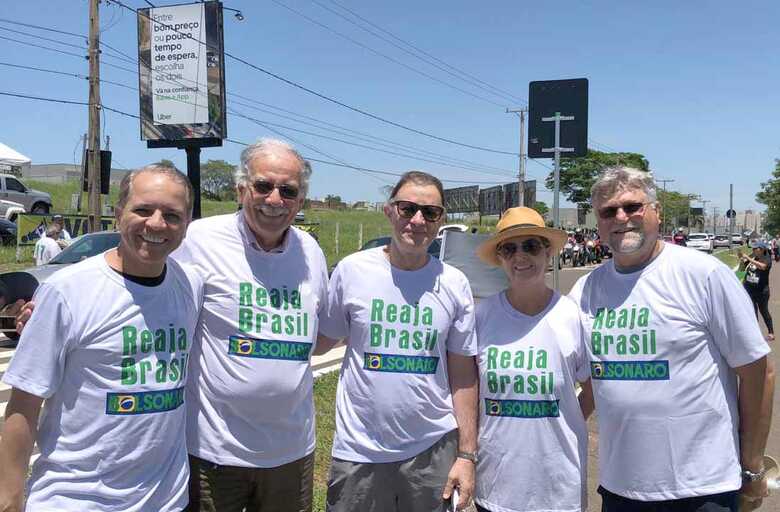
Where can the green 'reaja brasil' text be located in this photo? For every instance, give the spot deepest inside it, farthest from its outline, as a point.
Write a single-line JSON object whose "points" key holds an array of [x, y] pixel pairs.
{"points": [[637, 340], [418, 334], [160, 341], [276, 311], [534, 378]]}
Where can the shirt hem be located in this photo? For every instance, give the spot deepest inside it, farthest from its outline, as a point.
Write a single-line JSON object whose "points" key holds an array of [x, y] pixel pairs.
{"points": [[360, 458], [497, 508], [265, 464], [677, 494]]}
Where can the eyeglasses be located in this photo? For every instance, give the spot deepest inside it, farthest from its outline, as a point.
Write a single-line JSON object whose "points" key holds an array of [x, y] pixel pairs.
{"points": [[408, 209], [532, 246], [266, 187], [633, 208]]}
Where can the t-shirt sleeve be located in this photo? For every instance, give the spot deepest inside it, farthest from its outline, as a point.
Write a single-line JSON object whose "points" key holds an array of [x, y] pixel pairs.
{"points": [[732, 321], [334, 322], [39, 362], [581, 354], [462, 336]]}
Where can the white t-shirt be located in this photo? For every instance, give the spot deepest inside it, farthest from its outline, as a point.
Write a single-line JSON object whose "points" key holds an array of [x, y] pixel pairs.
{"points": [[393, 399], [663, 341], [110, 358], [529, 410], [45, 249], [250, 400]]}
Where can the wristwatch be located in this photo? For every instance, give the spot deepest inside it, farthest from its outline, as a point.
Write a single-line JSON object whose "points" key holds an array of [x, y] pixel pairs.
{"points": [[749, 476], [472, 456]]}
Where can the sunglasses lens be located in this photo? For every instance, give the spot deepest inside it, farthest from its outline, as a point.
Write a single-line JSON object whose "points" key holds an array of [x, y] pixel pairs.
{"points": [[608, 212], [532, 246], [431, 213], [632, 208], [507, 250], [263, 187], [288, 192], [406, 209]]}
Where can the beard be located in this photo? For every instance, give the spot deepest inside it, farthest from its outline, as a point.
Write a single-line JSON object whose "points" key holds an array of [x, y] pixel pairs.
{"points": [[274, 211], [629, 242]]}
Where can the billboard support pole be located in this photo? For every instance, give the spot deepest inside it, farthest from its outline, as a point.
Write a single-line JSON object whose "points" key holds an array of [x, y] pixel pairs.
{"points": [[193, 173], [557, 150]]}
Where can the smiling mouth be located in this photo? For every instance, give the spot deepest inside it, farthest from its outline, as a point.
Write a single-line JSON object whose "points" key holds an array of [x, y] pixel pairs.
{"points": [[153, 239]]}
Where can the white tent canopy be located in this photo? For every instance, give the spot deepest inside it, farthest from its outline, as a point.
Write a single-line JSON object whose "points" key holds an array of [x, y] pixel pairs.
{"points": [[12, 157]]}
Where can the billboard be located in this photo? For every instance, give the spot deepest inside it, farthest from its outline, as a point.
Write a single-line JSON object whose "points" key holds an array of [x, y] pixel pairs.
{"points": [[462, 199], [181, 72], [510, 194], [491, 200], [30, 227]]}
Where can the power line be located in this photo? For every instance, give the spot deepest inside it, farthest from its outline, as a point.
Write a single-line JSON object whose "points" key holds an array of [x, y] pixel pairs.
{"points": [[73, 75], [473, 81], [387, 57], [338, 102], [423, 52]]}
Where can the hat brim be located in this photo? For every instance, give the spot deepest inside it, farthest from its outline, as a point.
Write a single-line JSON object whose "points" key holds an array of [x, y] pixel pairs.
{"points": [[487, 250]]}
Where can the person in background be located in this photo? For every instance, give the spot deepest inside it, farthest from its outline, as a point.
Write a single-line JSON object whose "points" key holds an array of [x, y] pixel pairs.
{"points": [[530, 357], [59, 221], [757, 266], [47, 246]]}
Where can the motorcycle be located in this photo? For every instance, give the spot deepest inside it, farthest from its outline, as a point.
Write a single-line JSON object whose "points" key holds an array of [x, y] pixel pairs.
{"points": [[566, 253], [578, 255]]}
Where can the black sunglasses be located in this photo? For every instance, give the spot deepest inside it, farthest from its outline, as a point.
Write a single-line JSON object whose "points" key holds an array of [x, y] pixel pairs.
{"points": [[266, 187], [532, 246], [408, 209], [632, 208]]}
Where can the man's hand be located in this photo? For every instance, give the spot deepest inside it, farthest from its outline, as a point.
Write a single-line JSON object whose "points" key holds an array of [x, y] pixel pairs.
{"points": [[24, 314], [752, 495], [461, 476]]}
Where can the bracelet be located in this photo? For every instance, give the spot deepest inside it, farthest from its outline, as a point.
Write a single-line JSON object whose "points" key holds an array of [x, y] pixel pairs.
{"points": [[470, 456], [749, 476]]}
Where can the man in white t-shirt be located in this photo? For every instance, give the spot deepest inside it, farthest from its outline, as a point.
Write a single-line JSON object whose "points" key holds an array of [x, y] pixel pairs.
{"points": [[681, 381], [106, 353], [406, 404], [47, 247], [250, 425]]}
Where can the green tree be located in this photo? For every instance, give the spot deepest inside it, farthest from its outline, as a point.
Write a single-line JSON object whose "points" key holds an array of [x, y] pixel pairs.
{"points": [[166, 163], [541, 207], [579, 174], [675, 206], [217, 181], [770, 196], [331, 197]]}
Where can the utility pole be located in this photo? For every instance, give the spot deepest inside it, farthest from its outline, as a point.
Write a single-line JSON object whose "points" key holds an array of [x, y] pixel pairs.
{"points": [[521, 170], [81, 169], [731, 209], [704, 213], [93, 139], [663, 206]]}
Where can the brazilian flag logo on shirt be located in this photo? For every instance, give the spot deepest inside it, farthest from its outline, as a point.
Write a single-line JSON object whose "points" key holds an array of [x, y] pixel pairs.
{"points": [[493, 407], [244, 347], [126, 404], [373, 361], [597, 369]]}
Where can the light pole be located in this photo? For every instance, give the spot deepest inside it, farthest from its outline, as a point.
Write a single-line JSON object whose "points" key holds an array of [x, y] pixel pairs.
{"points": [[663, 205]]}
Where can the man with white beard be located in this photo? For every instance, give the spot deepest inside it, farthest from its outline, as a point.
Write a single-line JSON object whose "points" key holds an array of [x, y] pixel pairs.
{"points": [[250, 423], [670, 334]]}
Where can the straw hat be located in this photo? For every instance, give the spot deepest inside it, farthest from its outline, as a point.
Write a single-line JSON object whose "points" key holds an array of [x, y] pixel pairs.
{"points": [[519, 221]]}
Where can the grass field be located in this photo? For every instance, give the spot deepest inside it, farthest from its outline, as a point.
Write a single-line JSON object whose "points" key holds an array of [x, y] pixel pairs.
{"points": [[324, 403]]}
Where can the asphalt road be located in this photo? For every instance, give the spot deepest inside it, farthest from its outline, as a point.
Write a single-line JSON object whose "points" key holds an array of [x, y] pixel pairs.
{"points": [[568, 277]]}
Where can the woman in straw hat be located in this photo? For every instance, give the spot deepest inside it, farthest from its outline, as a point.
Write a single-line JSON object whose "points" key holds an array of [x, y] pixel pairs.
{"points": [[532, 433]]}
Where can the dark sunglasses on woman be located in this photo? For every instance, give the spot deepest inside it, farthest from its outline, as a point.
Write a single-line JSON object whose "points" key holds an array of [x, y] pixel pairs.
{"points": [[532, 246], [408, 209]]}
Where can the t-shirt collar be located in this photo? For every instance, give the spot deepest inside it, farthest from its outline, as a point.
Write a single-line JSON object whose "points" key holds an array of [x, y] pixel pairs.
{"points": [[249, 237]]}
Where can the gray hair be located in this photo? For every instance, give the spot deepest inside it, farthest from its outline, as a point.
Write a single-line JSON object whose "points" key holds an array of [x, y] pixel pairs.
{"points": [[618, 178], [266, 147], [171, 172], [53, 230]]}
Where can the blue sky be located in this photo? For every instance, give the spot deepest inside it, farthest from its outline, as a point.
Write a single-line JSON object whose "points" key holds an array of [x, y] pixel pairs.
{"points": [[691, 85]]}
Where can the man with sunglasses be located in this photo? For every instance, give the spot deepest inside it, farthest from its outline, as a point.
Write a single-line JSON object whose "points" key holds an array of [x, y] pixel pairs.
{"points": [[406, 404], [250, 425], [670, 332]]}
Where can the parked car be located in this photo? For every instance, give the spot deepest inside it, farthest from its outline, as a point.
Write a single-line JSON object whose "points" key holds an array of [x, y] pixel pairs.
{"points": [[736, 238], [10, 210], [7, 232], [700, 241], [721, 241], [33, 201], [22, 284]]}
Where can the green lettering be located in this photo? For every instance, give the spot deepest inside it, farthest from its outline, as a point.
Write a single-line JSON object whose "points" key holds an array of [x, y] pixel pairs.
{"points": [[244, 319], [129, 375], [244, 294], [129, 334], [377, 306], [492, 353]]}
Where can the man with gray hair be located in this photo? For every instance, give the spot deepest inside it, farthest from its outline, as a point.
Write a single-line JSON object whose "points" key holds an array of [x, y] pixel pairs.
{"points": [[250, 425], [670, 333], [47, 247]]}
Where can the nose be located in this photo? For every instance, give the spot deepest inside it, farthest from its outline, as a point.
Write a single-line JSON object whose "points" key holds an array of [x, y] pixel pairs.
{"points": [[621, 215], [418, 218], [156, 220], [274, 198]]}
